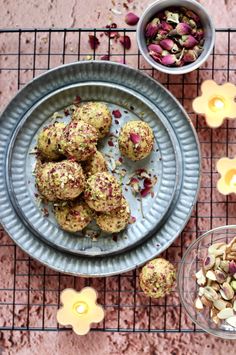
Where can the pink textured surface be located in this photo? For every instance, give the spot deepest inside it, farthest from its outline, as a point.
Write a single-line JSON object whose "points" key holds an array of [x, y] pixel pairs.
{"points": [[76, 14]]}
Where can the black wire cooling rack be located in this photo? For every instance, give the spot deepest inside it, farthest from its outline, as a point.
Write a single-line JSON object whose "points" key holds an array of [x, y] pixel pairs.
{"points": [[29, 292]]}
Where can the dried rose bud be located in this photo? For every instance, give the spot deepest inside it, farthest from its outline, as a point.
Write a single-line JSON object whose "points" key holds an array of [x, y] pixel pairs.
{"points": [[125, 41], [192, 15], [166, 26], [155, 56], [172, 17], [112, 34], [131, 19], [188, 41], [135, 138], [192, 23], [169, 45], [183, 29], [151, 30], [93, 41], [199, 34], [190, 56], [169, 59], [156, 48]]}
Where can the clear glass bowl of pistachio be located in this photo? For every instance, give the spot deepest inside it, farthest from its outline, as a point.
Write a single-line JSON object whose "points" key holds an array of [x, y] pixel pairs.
{"points": [[207, 281]]}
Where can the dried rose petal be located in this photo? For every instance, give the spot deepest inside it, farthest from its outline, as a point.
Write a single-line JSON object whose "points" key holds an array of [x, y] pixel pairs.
{"points": [[116, 113], [146, 191], [105, 57], [134, 183], [66, 112], [125, 41], [135, 138], [157, 57], [112, 34], [156, 48], [110, 143], [147, 183], [77, 100], [188, 41], [131, 19], [132, 220], [93, 41]]}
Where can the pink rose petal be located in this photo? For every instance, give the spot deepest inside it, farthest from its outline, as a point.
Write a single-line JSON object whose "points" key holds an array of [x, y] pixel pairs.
{"points": [[93, 41], [147, 183], [125, 41], [116, 113], [135, 138], [146, 191], [110, 143]]}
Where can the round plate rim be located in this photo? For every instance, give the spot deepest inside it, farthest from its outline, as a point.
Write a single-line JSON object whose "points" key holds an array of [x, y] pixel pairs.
{"points": [[184, 113]]}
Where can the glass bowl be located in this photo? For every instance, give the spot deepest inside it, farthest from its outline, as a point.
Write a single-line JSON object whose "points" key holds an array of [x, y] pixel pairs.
{"points": [[188, 287]]}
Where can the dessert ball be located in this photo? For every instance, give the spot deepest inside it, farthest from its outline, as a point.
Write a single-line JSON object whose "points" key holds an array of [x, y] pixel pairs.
{"points": [[61, 180], [73, 217], [157, 278], [96, 164], [136, 140], [48, 141], [103, 192], [115, 220], [79, 140], [95, 113], [42, 172]]}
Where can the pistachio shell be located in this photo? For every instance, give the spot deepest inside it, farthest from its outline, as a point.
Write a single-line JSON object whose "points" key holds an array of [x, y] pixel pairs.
{"points": [[225, 313], [210, 293], [198, 304], [209, 262], [220, 276], [201, 279], [217, 249], [217, 262], [201, 291], [211, 275], [226, 292], [215, 286], [219, 304], [231, 321], [234, 306], [206, 302], [224, 265]]}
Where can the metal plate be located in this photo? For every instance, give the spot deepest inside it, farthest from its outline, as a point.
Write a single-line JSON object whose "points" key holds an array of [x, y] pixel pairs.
{"points": [[189, 155], [162, 162]]}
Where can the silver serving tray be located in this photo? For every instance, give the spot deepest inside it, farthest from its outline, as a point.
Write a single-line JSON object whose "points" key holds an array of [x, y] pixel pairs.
{"points": [[23, 228]]}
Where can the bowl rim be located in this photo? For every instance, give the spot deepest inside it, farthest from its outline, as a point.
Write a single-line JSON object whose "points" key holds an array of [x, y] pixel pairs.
{"points": [[186, 68], [179, 280]]}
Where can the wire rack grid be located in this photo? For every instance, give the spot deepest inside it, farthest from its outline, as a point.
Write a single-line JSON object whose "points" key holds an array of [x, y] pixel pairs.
{"points": [[29, 292]]}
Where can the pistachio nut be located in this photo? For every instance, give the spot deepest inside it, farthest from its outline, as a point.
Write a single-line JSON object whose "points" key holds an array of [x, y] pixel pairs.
{"points": [[225, 313]]}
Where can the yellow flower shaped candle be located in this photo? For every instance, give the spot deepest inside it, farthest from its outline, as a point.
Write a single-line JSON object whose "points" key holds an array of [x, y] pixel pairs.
{"points": [[80, 309], [216, 103], [227, 169]]}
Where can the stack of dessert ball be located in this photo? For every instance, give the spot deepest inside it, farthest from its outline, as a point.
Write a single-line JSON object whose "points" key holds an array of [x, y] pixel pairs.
{"points": [[73, 174]]}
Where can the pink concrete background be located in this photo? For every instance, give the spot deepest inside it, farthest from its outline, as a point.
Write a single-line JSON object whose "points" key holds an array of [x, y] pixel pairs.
{"points": [[95, 13]]}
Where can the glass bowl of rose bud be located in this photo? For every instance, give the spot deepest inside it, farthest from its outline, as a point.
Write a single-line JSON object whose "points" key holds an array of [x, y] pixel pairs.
{"points": [[207, 281], [175, 36]]}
